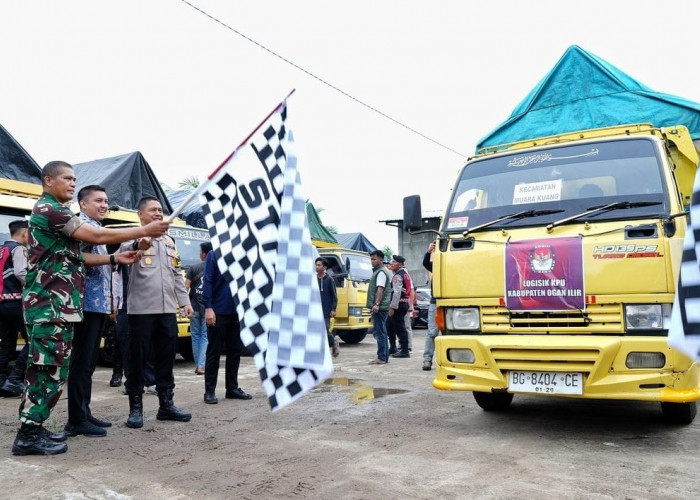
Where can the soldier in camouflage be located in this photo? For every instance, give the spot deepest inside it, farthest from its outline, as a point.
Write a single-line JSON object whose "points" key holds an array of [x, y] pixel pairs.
{"points": [[52, 299]]}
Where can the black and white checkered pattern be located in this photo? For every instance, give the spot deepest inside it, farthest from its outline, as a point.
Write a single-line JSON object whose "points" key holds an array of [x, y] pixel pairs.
{"points": [[684, 333], [298, 345], [251, 210]]}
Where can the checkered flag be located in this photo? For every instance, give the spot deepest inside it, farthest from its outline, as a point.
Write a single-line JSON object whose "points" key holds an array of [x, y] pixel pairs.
{"points": [[250, 205], [684, 333], [298, 357]]}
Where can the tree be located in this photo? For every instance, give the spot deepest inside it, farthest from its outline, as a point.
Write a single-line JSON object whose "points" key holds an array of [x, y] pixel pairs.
{"points": [[388, 253], [189, 182]]}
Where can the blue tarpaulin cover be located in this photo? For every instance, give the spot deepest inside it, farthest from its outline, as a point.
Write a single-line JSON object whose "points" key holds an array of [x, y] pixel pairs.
{"points": [[355, 241], [583, 91]]}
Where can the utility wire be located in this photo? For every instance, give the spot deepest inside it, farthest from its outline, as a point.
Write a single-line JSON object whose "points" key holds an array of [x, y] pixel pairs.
{"points": [[328, 84]]}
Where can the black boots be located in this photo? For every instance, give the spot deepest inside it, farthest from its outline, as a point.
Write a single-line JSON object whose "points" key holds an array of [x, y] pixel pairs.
{"points": [[34, 440], [168, 410], [135, 420]]}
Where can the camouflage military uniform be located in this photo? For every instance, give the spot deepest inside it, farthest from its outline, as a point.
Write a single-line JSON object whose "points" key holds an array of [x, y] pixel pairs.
{"points": [[52, 303]]}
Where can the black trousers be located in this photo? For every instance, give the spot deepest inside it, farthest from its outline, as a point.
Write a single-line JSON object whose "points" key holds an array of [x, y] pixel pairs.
{"points": [[156, 333], [11, 325], [397, 328], [121, 351], [224, 337], [83, 360]]}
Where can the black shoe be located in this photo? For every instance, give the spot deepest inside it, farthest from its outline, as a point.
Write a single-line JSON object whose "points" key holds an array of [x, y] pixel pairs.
{"points": [[392, 350], [401, 355], [11, 388], [99, 422], [210, 398], [237, 393], [31, 440], [57, 437], [116, 380], [84, 428]]}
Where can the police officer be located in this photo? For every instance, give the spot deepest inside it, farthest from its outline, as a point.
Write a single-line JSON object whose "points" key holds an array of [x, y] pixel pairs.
{"points": [[156, 287]]}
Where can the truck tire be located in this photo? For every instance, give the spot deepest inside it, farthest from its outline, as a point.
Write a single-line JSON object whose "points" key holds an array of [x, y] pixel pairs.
{"points": [[352, 336], [184, 348], [679, 413], [493, 401]]}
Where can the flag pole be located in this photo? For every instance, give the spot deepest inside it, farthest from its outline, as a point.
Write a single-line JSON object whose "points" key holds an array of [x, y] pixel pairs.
{"points": [[201, 187]]}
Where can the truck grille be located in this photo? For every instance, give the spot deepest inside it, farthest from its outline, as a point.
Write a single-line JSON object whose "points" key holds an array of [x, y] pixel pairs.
{"points": [[542, 359], [596, 319]]}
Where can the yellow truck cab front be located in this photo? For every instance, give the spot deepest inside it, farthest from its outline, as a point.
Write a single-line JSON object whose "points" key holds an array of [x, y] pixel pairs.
{"points": [[351, 271], [556, 268]]}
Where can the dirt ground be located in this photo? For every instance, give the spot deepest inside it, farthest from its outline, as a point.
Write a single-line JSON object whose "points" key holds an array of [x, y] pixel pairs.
{"points": [[371, 432]]}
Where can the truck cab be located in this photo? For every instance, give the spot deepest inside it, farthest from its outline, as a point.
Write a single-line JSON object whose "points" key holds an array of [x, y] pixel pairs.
{"points": [[351, 271], [556, 268]]}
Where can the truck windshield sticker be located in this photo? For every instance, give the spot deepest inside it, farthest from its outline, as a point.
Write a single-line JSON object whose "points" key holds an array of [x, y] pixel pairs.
{"points": [[544, 275], [457, 222], [521, 161], [537, 192]]}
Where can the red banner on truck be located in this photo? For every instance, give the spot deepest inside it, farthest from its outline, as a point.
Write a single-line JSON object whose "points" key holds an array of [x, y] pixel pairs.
{"points": [[544, 275]]}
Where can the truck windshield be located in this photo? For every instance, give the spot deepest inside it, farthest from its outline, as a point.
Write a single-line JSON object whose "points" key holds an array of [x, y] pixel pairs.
{"points": [[187, 240], [360, 267], [567, 178]]}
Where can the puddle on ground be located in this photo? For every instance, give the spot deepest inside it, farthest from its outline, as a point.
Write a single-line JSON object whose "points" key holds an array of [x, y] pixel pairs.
{"points": [[360, 392]]}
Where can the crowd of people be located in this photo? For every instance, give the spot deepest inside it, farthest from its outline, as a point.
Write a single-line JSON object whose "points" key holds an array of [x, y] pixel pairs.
{"points": [[390, 298], [61, 286]]}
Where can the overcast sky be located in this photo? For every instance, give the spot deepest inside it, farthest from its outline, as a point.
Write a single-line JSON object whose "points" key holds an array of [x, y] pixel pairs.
{"points": [[83, 80]]}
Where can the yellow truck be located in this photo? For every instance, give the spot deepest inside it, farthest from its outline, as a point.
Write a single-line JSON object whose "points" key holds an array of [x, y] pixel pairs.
{"points": [[556, 268], [351, 271]]}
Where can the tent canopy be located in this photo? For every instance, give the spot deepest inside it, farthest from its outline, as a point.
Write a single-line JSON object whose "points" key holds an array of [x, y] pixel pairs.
{"points": [[583, 91], [15, 162], [355, 241], [127, 179]]}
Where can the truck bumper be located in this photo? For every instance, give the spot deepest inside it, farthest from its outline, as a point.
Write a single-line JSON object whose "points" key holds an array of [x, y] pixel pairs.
{"points": [[600, 359]]}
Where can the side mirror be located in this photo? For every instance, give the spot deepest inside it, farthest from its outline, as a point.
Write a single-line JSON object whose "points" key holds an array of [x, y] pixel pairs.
{"points": [[347, 265], [412, 217]]}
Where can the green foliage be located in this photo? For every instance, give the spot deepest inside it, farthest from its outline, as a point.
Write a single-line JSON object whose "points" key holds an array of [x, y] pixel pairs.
{"points": [[189, 182], [388, 252]]}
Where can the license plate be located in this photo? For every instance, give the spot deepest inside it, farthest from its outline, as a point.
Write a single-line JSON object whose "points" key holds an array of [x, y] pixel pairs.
{"points": [[545, 382]]}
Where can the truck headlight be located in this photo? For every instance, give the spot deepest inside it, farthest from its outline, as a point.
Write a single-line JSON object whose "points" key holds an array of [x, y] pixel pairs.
{"points": [[354, 311], [460, 355], [645, 360], [647, 316], [462, 318]]}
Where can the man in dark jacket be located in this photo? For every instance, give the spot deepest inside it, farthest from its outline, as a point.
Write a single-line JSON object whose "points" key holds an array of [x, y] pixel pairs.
{"points": [[11, 319], [329, 300], [223, 331]]}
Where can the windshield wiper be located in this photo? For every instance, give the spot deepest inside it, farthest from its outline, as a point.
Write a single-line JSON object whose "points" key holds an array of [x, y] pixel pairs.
{"points": [[519, 215], [620, 205]]}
